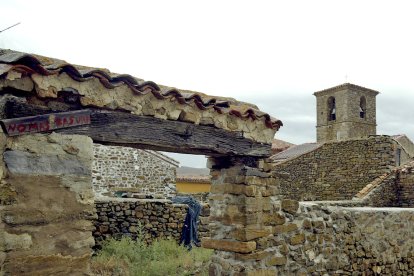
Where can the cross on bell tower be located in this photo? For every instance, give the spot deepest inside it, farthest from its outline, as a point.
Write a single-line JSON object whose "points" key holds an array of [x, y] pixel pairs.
{"points": [[344, 112]]}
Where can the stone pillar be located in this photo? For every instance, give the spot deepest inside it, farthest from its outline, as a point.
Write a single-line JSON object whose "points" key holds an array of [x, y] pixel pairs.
{"points": [[46, 205], [241, 197]]}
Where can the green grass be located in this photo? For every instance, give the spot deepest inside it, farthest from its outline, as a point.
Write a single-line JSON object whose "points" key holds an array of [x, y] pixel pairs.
{"points": [[162, 257]]}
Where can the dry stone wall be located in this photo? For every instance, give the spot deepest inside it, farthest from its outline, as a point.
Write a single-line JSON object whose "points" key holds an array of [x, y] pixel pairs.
{"points": [[382, 192], [393, 189], [143, 171], [336, 170], [151, 218], [46, 205], [309, 239], [406, 186], [255, 232]]}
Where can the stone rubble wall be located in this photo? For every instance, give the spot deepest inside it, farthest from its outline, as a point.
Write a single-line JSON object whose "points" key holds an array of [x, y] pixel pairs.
{"points": [[144, 171], [393, 189], [309, 239], [46, 205], [119, 217], [336, 170], [406, 186], [255, 232], [382, 192]]}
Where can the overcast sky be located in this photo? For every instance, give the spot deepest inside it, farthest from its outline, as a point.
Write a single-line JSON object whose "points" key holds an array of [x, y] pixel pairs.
{"points": [[274, 54]]}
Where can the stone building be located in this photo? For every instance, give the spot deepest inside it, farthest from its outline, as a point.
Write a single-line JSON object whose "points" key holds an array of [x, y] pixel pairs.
{"points": [[52, 112], [344, 112], [146, 172], [347, 156], [48, 210]]}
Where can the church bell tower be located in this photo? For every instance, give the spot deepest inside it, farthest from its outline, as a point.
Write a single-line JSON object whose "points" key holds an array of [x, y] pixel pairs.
{"points": [[344, 112]]}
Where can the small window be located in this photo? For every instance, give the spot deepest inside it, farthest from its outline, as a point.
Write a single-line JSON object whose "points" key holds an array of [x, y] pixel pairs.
{"points": [[331, 109], [362, 107]]}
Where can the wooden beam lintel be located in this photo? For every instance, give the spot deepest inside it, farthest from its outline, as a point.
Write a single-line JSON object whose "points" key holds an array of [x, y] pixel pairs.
{"points": [[126, 129]]}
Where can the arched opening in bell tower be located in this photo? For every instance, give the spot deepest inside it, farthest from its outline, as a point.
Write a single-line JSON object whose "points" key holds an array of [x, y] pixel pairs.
{"points": [[362, 107], [331, 109]]}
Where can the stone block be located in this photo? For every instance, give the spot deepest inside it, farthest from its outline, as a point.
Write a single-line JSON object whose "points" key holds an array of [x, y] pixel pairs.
{"points": [[262, 272], [24, 163], [257, 256], [274, 219], [53, 264], [250, 233], [297, 239], [226, 245], [280, 229], [318, 224], [237, 189], [276, 261], [290, 206], [8, 194], [269, 191], [256, 204], [260, 181], [15, 241], [307, 224]]}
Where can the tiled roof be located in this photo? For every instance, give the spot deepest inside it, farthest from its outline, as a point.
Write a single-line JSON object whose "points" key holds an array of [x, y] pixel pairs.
{"points": [[193, 178], [294, 151], [398, 136], [406, 168], [280, 145], [28, 64], [348, 86]]}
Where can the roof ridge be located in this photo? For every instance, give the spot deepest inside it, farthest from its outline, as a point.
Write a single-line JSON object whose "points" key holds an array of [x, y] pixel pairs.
{"points": [[30, 63], [347, 84]]}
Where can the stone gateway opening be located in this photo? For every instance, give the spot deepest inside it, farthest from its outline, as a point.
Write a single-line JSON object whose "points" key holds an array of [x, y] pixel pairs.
{"points": [[121, 111], [341, 206]]}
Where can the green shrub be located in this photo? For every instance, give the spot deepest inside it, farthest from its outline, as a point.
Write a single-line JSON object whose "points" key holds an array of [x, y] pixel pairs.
{"points": [[162, 257]]}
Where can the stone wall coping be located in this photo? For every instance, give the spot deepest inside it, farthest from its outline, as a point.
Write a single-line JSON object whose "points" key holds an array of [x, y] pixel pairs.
{"points": [[339, 203], [122, 199], [356, 209], [379, 209]]}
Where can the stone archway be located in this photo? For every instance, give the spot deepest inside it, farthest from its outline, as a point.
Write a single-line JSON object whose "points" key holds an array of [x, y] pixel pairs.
{"points": [[127, 111]]}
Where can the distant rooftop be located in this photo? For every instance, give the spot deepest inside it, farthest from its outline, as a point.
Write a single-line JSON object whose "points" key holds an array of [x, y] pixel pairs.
{"points": [[294, 151], [280, 145], [194, 178]]}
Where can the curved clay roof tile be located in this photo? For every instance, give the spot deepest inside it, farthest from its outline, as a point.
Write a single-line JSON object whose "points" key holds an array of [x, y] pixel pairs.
{"points": [[30, 64]]}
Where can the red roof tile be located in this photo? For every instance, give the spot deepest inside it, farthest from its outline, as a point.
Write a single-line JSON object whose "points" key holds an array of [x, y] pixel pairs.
{"points": [[28, 64]]}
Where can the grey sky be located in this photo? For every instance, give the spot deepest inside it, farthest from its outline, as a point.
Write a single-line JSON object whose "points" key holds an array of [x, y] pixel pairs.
{"points": [[274, 54]]}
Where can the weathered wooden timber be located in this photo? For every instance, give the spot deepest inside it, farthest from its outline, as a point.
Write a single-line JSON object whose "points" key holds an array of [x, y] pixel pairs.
{"points": [[46, 122], [126, 129]]}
